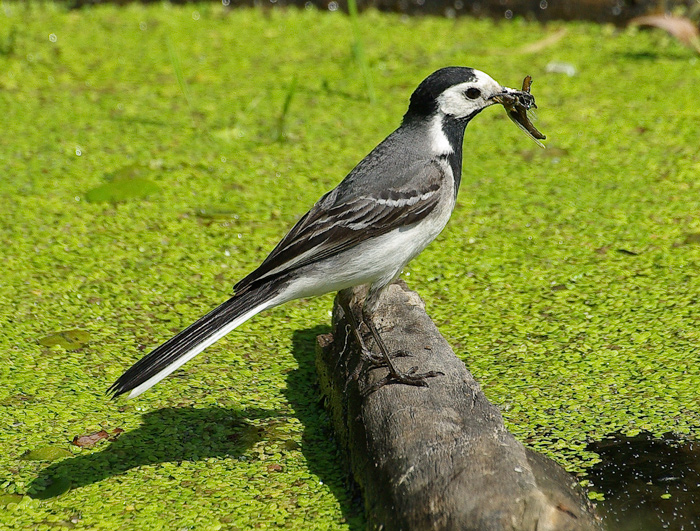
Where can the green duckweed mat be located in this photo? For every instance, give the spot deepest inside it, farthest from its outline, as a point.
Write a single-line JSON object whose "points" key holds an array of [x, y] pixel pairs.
{"points": [[152, 156]]}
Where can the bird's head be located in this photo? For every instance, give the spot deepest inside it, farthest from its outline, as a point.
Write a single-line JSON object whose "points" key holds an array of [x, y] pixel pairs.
{"points": [[459, 94]]}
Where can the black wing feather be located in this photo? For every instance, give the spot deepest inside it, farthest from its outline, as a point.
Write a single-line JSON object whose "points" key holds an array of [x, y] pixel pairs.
{"points": [[333, 226]]}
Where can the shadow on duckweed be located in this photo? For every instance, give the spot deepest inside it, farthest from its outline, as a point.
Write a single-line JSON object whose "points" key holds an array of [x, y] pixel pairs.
{"points": [[167, 435], [191, 434], [649, 483], [323, 454]]}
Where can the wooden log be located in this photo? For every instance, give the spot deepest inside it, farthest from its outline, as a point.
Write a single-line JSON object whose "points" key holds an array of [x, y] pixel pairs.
{"points": [[436, 457]]}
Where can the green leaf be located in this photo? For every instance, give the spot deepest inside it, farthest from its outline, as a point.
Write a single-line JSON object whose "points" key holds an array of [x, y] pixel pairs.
{"points": [[6, 499], [47, 453], [124, 184], [68, 339], [122, 190]]}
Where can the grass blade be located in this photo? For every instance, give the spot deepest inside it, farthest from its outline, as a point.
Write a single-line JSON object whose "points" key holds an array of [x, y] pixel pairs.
{"points": [[282, 119], [181, 81], [358, 50]]}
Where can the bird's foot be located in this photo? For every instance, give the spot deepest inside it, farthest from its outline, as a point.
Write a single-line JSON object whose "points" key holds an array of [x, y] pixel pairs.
{"points": [[410, 377], [367, 357], [378, 361], [369, 360]]}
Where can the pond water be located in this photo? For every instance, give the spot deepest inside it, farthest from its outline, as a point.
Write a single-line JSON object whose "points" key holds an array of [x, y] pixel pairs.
{"points": [[649, 483], [617, 12]]}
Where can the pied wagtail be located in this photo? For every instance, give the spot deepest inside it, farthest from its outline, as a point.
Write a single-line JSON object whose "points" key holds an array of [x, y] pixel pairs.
{"points": [[385, 212]]}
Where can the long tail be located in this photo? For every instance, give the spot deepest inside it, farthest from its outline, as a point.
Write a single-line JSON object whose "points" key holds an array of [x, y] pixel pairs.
{"points": [[185, 345]]}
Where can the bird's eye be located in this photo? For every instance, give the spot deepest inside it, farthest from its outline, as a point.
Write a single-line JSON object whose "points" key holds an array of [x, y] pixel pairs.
{"points": [[472, 93]]}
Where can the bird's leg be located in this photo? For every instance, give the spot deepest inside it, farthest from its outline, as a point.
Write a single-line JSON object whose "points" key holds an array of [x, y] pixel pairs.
{"points": [[366, 353], [395, 375]]}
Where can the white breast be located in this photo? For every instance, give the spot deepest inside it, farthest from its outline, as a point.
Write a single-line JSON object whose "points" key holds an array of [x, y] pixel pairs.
{"points": [[376, 261]]}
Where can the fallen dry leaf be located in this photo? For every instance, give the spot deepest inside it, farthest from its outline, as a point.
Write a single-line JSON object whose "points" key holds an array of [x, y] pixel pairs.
{"points": [[86, 441], [681, 28]]}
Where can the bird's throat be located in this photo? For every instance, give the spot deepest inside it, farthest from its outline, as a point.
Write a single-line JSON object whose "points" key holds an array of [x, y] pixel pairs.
{"points": [[453, 130]]}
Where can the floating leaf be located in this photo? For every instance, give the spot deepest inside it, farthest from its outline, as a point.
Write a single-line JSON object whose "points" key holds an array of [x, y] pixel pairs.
{"points": [[68, 339], [229, 135], [681, 28], [215, 215], [55, 487], [86, 441], [6, 499], [692, 238], [118, 191], [124, 184], [47, 453]]}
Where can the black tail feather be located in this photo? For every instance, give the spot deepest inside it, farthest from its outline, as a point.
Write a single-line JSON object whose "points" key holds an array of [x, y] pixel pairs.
{"points": [[185, 341]]}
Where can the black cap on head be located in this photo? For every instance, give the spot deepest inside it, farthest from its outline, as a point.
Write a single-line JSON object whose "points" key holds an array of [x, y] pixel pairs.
{"points": [[423, 99]]}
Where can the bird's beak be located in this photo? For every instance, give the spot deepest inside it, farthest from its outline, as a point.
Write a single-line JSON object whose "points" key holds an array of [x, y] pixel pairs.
{"points": [[517, 104]]}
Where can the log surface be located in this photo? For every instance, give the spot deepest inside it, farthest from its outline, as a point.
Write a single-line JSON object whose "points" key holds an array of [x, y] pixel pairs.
{"points": [[436, 457]]}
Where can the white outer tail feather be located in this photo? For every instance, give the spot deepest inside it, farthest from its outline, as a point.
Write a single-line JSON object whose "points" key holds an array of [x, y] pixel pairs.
{"points": [[136, 391]]}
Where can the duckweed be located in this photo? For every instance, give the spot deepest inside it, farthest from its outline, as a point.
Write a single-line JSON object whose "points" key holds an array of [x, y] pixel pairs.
{"points": [[572, 337]]}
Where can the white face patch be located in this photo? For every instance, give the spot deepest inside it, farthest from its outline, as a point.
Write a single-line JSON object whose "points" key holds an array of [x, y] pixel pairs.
{"points": [[467, 98]]}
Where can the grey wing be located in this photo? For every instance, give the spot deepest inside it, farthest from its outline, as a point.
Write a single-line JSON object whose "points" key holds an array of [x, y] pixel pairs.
{"points": [[336, 224]]}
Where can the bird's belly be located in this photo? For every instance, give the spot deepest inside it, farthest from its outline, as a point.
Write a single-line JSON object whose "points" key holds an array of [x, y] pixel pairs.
{"points": [[377, 260]]}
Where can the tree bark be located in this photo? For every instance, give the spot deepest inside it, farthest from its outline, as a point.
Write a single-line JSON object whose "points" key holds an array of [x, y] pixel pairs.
{"points": [[436, 457]]}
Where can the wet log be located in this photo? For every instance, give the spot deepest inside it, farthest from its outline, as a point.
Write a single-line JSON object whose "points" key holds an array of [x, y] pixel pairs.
{"points": [[436, 457]]}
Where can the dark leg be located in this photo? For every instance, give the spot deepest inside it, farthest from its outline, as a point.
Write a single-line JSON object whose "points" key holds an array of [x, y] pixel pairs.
{"points": [[366, 353], [395, 375]]}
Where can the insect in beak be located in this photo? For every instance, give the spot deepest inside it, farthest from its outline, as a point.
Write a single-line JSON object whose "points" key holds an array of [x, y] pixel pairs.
{"points": [[519, 105]]}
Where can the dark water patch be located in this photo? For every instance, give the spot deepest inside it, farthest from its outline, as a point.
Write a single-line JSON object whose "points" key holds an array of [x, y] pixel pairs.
{"points": [[618, 12], [648, 483]]}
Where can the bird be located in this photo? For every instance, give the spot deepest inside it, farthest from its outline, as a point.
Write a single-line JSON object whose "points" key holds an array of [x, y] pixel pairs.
{"points": [[364, 231]]}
